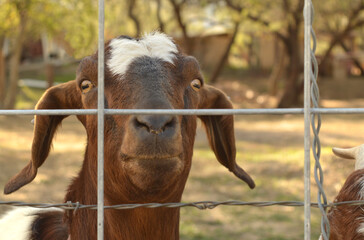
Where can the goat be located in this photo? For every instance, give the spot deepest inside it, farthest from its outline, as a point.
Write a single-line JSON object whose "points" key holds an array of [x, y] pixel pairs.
{"points": [[147, 157], [347, 221]]}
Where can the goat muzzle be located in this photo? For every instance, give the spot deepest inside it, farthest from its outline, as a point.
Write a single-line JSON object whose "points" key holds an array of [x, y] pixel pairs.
{"points": [[155, 124]]}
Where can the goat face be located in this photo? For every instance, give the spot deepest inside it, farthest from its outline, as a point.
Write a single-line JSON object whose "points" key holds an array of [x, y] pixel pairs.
{"points": [[149, 154]]}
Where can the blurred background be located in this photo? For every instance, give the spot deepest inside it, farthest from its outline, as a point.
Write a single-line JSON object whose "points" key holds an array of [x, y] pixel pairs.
{"points": [[253, 50]]}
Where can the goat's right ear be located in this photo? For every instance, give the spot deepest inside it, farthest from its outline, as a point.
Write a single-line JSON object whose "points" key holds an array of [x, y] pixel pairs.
{"points": [[63, 96], [220, 131]]}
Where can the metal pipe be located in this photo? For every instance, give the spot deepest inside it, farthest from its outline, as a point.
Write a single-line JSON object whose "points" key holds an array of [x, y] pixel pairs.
{"points": [[266, 111], [100, 125], [307, 108]]}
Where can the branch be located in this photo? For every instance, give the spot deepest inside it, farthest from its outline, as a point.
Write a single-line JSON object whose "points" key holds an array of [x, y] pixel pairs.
{"points": [[338, 37], [182, 25], [159, 17], [286, 5], [266, 24], [357, 24], [258, 19], [299, 8], [177, 11], [234, 7], [131, 6]]}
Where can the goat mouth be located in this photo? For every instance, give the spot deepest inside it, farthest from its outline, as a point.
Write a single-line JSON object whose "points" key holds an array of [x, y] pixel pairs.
{"points": [[153, 158], [148, 173], [160, 164]]}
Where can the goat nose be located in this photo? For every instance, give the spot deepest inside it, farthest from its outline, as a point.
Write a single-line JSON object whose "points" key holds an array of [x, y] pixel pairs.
{"points": [[155, 124]]}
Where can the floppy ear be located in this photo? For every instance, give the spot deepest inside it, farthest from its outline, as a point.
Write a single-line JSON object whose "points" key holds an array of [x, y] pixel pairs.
{"points": [[63, 96], [220, 131]]}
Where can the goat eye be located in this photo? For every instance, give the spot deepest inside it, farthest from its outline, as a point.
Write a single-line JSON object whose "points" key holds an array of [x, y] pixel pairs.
{"points": [[86, 86], [196, 84]]}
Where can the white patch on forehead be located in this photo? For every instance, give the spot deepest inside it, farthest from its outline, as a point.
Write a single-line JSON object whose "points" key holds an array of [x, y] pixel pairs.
{"points": [[124, 51]]}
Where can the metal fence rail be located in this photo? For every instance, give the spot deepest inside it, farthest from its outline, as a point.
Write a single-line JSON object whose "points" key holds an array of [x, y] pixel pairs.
{"points": [[311, 117], [267, 111]]}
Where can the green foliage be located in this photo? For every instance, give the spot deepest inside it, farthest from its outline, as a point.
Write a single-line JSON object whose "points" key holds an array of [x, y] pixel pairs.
{"points": [[8, 18], [80, 27], [70, 20], [74, 22], [333, 15]]}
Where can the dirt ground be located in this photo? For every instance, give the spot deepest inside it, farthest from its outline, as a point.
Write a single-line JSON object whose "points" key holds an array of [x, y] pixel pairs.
{"points": [[270, 148]]}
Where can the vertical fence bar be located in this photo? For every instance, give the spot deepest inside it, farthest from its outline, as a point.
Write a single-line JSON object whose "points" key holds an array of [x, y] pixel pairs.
{"points": [[100, 125], [316, 145], [307, 112]]}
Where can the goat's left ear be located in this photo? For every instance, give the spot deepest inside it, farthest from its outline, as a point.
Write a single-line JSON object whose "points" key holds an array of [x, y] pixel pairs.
{"points": [[63, 96], [220, 131]]}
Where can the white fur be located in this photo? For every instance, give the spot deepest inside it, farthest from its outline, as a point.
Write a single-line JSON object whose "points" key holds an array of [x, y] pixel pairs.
{"points": [[361, 191], [124, 51], [16, 224], [360, 229]]}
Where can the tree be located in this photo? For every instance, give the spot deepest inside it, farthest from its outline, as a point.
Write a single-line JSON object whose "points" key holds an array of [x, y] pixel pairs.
{"points": [[339, 20], [19, 9], [22, 20], [177, 8], [133, 16], [221, 63], [284, 20], [7, 13]]}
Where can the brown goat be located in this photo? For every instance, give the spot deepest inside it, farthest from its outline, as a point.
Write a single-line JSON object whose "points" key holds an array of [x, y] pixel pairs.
{"points": [[347, 221], [147, 157]]}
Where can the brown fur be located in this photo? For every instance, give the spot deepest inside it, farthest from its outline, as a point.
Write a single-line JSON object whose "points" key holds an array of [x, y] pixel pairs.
{"points": [[140, 167], [345, 220], [49, 225]]}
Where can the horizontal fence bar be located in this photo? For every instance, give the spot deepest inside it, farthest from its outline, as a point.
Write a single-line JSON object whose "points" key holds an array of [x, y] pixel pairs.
{"points": [[265, 111], [202, 205]]}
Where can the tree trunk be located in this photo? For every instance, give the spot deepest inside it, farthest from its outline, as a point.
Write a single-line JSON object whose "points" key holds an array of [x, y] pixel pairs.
{"points": [[339, 36], [334, 41], [293, 87], [188, 42], [225, 56], [355, 60], [49, 72], [14, 62], [159, 17], [292, 91], [131, 7], [2, 73], [277, 72]]}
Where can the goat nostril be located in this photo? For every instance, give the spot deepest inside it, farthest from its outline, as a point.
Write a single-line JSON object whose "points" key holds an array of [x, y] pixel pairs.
{"points": [[140, 124], [154, 125], [169, 124]]}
